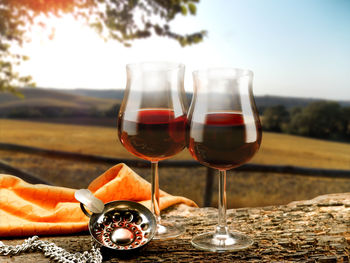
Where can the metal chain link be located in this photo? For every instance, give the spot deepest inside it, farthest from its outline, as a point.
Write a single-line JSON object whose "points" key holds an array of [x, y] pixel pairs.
{"points": [[52, 251]]}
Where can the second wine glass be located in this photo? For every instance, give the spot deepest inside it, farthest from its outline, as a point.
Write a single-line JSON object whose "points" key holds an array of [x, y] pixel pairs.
{"points": [[224, 133], [152, 122]]}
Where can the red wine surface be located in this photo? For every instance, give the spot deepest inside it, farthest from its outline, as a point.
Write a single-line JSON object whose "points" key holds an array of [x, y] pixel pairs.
{"points": [[224, 140], [155, 135]]}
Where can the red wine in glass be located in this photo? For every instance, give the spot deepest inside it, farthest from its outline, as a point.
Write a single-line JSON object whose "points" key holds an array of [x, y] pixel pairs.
{"points": [[155, 135], [224, 140]]}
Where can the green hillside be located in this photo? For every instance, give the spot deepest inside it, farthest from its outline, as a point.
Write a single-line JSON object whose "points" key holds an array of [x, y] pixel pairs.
{"points": [[104, 99], [39, 98], [261, 101]]}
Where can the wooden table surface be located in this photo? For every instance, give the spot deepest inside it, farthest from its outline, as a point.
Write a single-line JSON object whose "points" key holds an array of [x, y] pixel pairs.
{"points": [[316, 230]]}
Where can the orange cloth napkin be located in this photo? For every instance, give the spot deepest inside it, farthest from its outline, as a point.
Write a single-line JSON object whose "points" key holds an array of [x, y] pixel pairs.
{"points": [[27, 209]]}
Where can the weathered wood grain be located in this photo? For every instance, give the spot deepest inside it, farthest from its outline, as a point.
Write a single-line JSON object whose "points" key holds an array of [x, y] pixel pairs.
{"points": [[316, 230]]}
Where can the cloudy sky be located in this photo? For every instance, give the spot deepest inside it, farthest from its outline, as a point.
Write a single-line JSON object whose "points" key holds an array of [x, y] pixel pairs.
{"points": [[295, 48]]}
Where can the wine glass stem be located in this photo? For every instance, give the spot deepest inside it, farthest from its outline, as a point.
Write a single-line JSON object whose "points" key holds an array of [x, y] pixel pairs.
{"points": [[155, 191], [221, 228]]}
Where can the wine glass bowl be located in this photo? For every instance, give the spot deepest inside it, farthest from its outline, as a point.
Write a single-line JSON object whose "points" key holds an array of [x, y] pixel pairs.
{"points": [[223, 145], [152, 122], [159, 135], [224, 132]]}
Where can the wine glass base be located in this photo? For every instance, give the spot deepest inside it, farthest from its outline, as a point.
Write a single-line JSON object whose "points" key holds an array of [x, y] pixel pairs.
{"points": [[220, 243], [167, 230]]}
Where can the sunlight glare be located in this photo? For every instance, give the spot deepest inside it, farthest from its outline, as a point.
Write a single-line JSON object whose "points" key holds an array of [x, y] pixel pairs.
{"points": [[75, 57]]}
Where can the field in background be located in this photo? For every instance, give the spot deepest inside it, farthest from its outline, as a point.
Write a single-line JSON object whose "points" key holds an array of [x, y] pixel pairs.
{"points": [[276, 148], [244, 189]]}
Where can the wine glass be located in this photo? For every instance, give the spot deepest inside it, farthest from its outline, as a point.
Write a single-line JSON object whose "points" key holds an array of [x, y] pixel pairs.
{"points": [[152, 123], [224, 132]]}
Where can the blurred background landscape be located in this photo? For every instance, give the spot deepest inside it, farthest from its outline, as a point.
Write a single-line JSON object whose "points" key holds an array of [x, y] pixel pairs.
{"points": [[299, 52], [84, 121]]}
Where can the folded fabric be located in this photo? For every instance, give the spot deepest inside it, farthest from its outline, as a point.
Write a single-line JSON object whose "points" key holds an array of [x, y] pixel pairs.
{"points": [[27, 209]]}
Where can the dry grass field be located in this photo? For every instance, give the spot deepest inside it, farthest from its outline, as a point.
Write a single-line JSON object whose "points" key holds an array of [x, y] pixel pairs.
{"points": [[244, 189], [276, 148]]}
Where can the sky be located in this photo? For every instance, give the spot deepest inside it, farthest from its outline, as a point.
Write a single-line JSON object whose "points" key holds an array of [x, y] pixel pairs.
{"points": [[298, 48]]}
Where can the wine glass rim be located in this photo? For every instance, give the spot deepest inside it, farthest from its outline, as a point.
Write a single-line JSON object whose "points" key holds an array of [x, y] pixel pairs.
{"points": [[155, 66], [239, 72]]}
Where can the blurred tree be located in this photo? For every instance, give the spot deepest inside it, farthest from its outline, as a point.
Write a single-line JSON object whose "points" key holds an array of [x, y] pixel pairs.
{"points": [[275, 117], [299, 124], [319, 119], [346, 121], [295, 110], [122, 20]]}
